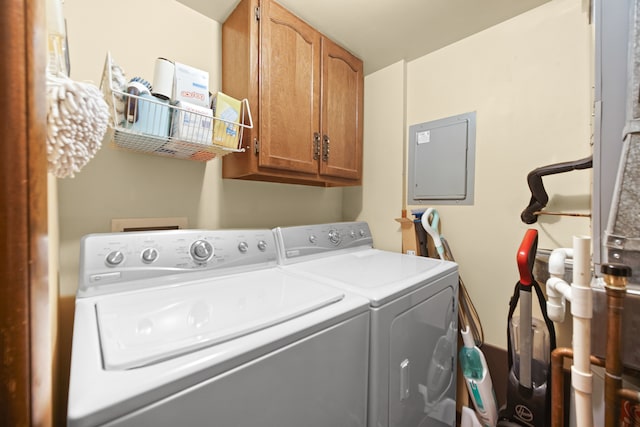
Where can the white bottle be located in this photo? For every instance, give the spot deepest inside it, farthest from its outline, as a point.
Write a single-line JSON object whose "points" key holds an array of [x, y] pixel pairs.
{"points": [[478, 380], [468, 418]]}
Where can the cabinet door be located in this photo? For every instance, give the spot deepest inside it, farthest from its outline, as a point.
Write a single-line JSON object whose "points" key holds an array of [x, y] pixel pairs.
{"points": [[342, 109], [289, 90]]}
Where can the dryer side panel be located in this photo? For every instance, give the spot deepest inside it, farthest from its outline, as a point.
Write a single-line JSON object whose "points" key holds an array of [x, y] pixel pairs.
{"points": [[404, 336], [422, 364]]}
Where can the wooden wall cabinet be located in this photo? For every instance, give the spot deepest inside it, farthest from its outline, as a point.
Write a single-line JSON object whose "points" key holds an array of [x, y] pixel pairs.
{"points": [[306, 96]]}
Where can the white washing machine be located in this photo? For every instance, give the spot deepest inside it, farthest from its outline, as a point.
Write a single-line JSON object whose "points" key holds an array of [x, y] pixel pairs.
{"points": [[202, 328], [413, 307]]}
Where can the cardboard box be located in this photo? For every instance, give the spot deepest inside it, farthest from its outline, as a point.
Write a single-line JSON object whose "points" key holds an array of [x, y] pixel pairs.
{"points": [[192, 123], [191, 85], [409, 240], [227, 108]]}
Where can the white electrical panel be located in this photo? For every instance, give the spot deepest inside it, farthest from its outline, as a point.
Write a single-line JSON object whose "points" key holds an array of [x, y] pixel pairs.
{"points": [[442, 161]]}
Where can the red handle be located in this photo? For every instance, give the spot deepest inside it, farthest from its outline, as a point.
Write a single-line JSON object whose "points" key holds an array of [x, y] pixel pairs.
{"points": [[527, 255]]}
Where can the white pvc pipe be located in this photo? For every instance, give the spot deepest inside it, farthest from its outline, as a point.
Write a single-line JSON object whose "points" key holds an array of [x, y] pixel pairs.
{"points": [[581, 310], [557, 289], [580, 295], [557, 261]]}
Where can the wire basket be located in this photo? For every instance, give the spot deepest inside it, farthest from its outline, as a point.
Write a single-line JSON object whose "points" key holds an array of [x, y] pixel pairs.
{"points": [[147, 124]]}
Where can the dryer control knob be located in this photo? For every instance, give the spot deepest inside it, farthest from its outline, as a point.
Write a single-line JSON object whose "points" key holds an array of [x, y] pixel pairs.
{"points": [[334, 237], [362, 233], [243, 247], [313, 238], [201, 251], [352, 234], [149, 255], [262, 245], [114, 258]]}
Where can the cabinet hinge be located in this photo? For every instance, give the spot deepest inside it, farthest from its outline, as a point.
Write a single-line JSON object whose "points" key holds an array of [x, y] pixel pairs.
{"points": [[256, 146], [256, 12]]}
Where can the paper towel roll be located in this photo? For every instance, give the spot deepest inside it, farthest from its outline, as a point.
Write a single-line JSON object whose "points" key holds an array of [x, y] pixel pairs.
{"points": [[163, 78]]}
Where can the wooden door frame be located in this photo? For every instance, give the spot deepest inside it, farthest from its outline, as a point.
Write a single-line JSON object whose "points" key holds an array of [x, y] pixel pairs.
{"points": [[25, 326]]}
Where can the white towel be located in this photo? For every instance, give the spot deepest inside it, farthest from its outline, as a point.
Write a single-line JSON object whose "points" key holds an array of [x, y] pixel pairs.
{"points": [[77, 120]]}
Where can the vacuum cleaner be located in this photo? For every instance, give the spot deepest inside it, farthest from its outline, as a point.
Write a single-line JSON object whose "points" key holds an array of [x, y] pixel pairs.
{"points": [[530, 342]]}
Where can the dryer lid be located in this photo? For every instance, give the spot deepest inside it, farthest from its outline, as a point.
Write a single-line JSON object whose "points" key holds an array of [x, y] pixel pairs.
{"points": [[375, 274], [137, 329]]}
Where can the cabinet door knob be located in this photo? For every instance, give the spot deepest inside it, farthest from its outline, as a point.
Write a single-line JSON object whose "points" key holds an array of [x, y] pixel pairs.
{"points": [[325, 148]]}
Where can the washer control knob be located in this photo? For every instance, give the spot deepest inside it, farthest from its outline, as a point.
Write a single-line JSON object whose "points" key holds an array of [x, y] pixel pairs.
{"points": [[201, 251], [262, 245], [114, 258], [243, 247], [334, 237], [313, 238], [149, 255], [362, 233], [352, 234]]}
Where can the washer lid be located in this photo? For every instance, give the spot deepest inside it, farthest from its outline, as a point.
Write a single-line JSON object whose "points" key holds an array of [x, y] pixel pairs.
{"points": [[142, 328]]}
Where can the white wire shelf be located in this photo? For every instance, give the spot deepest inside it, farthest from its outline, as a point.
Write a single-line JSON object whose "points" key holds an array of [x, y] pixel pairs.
{"points": [[146, 124]]}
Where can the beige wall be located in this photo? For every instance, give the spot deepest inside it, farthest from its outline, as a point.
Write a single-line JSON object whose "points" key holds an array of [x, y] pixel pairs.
{"points": [[379, 200], [529, 81], [118, 184]]}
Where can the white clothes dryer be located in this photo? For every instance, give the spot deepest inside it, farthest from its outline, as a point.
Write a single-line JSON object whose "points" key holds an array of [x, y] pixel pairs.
{"points": [[202, 328], [413, 307]]}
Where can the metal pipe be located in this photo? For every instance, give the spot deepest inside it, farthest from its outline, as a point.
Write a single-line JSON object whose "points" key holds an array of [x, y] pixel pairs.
{"points": [[627, 394], [579, 293], [615, 277], [557, 382], [613, 366], [562, 214], [557, 385]]}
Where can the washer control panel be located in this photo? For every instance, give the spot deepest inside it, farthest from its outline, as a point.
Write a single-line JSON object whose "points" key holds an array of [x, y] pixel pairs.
{"points": [[115, 258], [299, 241]]}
